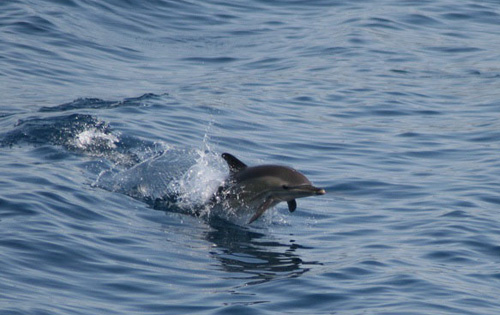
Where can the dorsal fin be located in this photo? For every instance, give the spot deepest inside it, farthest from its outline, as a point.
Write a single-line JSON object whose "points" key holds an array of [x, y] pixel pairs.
{"points": [[234, 164]]}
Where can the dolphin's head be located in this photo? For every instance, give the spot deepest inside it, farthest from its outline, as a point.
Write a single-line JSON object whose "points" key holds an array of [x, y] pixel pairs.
{"points": [[269, 184], [284, 182]]}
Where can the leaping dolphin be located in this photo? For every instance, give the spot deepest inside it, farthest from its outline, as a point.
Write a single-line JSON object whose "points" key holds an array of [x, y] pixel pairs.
{"points": [[264, 186]]}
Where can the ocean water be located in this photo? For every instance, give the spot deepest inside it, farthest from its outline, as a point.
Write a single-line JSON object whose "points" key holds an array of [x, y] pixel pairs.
{"points": [[108, 106]]}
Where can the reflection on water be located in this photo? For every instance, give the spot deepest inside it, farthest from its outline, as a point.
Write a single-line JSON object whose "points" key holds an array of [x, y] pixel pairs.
{"points": [[252, 255]]}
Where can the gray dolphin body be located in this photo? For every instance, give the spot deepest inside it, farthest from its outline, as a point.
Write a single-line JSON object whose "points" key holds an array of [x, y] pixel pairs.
{"points": [[262, 187]]}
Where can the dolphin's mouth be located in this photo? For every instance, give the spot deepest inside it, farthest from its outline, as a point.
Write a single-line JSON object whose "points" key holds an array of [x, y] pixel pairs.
{"points": [[309, 189]]}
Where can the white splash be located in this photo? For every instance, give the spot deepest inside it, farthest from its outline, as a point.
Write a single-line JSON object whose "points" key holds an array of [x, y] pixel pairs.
{"points": [[199, 183], [94, 137]]}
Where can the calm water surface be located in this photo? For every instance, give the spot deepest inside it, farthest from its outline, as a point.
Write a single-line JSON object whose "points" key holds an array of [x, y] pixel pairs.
{"points": [[392, 106]]}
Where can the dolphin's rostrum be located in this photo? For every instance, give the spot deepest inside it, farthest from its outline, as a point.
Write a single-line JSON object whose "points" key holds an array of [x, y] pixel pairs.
{"points": [[262, 187]]}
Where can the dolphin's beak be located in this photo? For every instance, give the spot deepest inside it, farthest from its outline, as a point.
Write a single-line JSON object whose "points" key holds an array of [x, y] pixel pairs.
{"points": [[308, 190]]}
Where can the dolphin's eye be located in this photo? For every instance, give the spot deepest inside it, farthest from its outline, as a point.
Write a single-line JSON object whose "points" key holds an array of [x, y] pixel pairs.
{"points": [[285, 187]]}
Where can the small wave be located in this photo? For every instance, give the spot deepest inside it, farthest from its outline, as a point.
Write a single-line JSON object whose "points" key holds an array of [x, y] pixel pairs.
{"points": [[54, 130], [96, 103], [210, 60], [76, 132]]}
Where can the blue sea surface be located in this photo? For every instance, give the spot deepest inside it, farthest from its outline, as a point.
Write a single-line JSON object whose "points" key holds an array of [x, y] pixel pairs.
{"points": [[108, 107]]}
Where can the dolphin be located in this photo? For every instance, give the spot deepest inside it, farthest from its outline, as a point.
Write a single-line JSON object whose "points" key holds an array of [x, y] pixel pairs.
{"points": [[262, 187]]}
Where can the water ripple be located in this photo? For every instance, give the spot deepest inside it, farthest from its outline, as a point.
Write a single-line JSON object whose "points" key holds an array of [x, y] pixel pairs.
{"points": [[391, 106]]}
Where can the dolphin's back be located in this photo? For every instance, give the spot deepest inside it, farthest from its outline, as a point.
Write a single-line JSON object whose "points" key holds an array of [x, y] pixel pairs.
{"points": [[285, 174]]}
